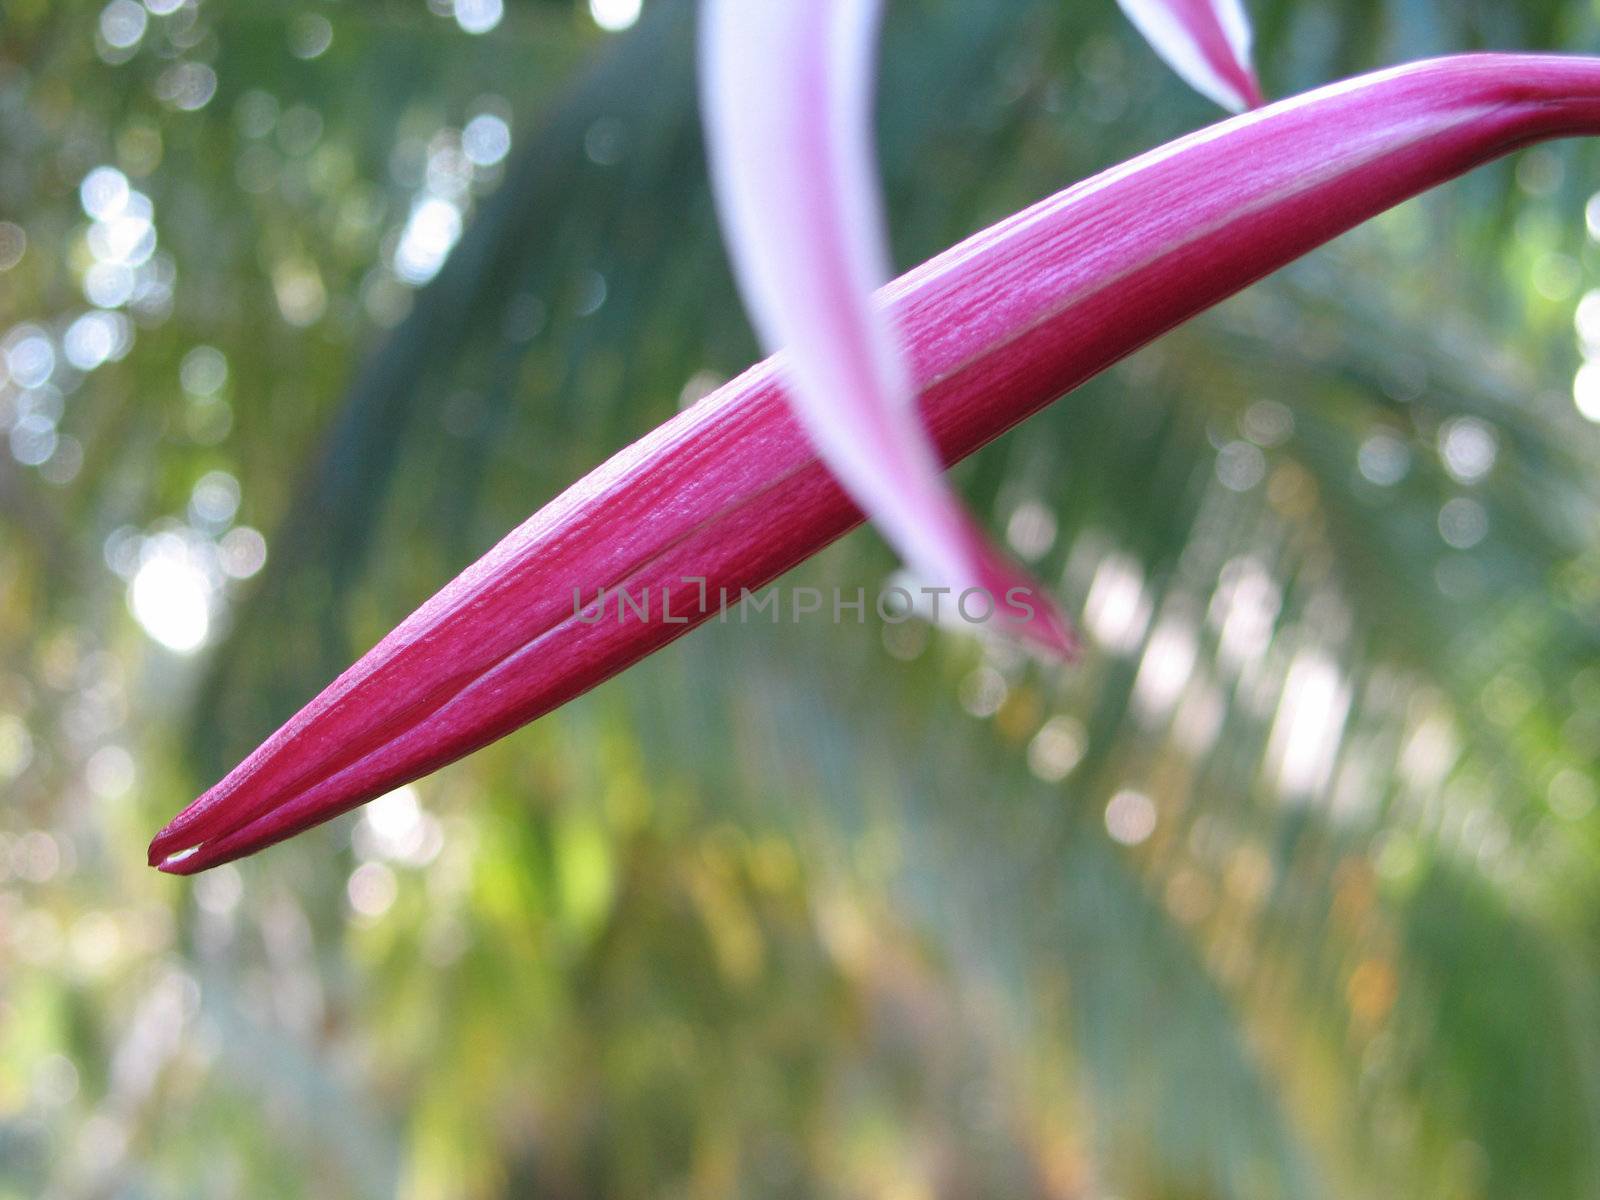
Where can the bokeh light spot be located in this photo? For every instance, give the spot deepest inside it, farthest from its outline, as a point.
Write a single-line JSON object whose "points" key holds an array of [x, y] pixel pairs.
{"points": [[479, 16], [1130, 817], [614, 15], [170, 595], [486, 140]]}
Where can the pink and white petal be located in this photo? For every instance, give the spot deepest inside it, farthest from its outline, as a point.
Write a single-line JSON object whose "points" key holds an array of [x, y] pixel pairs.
{"points": [[786, 91], [1207, 42]]}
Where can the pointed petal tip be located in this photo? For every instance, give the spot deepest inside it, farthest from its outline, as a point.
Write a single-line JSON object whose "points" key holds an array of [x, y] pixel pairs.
{"points": [[173, 847], [167, 854], [1049, 632], [173, 838], [190, 857], [1254, 97], [1206, 42], [160, 847], [1030, 613], [1055, 636], [175, 850]]}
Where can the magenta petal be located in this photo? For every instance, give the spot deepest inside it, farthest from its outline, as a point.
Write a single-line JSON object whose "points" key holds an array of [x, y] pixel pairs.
{"points": [[787, 97], [731, 492], [1207, 42]]}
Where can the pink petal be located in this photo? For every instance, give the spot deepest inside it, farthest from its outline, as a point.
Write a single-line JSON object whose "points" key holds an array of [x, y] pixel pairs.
{"points": [[1207, 42], [787, 97], [731, 489]]}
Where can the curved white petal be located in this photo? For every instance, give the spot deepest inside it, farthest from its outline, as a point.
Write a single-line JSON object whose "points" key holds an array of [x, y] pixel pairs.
{"points": [[786, 90], [1207, 42]]}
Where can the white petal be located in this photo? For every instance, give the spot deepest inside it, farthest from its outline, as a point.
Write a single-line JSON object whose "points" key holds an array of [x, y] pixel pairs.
{"points": [[1207, 42], [786, 89]]}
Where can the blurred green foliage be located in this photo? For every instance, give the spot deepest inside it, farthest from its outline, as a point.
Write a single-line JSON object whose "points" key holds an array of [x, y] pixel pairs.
{"points": [[1289, 890]]}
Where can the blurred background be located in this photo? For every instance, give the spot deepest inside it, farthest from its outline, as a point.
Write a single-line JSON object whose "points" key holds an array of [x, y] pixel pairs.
{"points": [[1291, 889]]}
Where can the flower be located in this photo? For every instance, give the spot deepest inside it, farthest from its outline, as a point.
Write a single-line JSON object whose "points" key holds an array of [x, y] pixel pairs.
{"points": [[731, 491]]}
